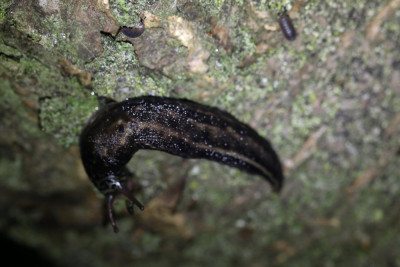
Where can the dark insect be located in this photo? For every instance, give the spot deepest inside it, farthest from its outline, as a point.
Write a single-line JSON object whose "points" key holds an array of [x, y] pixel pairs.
{"points": [[134, 31], [285, 22], [176, 126]]}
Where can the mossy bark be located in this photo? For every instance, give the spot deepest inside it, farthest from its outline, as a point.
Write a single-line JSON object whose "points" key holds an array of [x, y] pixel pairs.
{"points": [[329, 102]]}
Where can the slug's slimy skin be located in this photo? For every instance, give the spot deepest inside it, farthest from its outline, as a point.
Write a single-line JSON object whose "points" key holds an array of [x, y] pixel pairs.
{"points": [[176, 126]]}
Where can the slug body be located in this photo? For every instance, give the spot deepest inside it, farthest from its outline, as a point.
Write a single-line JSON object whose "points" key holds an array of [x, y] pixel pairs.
{"points": [[286, 25], [176, 126]]}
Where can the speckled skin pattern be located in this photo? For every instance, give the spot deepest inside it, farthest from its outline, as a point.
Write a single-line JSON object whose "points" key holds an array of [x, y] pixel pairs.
{"points": [[176, 126]]}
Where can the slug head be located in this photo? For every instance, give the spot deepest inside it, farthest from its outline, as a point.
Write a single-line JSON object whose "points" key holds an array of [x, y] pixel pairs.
{"points": [[104, 153]]}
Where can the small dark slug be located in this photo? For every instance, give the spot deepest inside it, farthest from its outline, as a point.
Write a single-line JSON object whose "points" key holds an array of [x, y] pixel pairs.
{"points": [[177, 126], [286, 24], [134, 31]]}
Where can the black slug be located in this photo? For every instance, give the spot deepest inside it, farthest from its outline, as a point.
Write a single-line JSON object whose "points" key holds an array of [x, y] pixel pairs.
{"points": [[285, 22], [176, 126], [134, 31]]}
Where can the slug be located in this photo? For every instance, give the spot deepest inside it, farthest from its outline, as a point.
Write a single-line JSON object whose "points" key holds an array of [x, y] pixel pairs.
{"points": [[134, 31], [286, 25], [177, 126]]}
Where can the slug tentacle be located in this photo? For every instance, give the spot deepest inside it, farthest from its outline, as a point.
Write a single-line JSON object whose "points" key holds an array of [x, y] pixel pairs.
{"points": [[176, 126], [129, 205], [110, 201]]}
